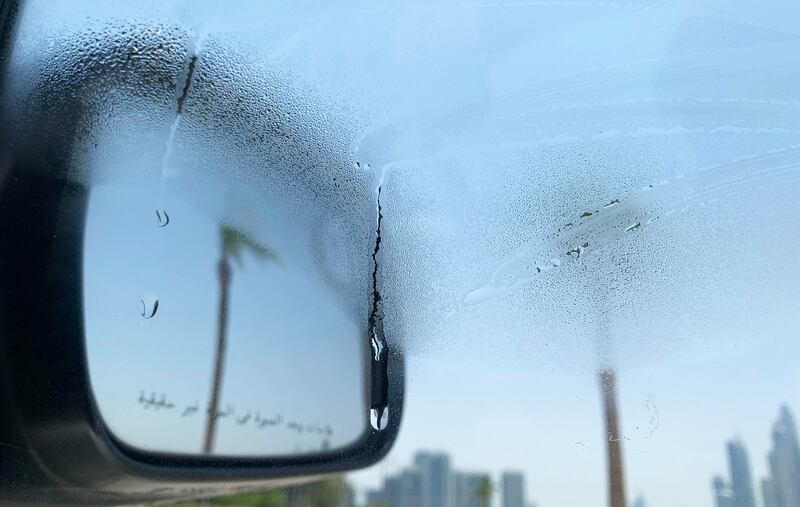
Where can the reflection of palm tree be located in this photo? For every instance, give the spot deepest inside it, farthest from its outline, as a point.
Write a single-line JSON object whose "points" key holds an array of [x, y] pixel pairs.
{"points": [[234, 242], [484, 491]]}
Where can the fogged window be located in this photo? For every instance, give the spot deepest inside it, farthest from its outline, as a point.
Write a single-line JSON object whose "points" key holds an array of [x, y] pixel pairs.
{"points": [[589, 220]]}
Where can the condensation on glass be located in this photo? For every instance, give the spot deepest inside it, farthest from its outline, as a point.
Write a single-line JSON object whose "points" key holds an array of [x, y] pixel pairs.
{"points": [[589, 217]]}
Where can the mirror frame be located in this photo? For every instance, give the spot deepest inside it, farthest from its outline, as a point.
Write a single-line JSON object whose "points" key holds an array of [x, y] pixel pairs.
{"points": [[45, 369], [54, 444]]}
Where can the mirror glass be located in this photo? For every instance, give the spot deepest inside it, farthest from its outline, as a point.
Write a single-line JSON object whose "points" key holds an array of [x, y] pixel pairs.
{"points": [[215, 336]]}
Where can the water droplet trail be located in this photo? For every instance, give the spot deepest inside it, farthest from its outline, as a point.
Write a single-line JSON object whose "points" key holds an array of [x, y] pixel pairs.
{"points": [[149, 306], [162, 218]]}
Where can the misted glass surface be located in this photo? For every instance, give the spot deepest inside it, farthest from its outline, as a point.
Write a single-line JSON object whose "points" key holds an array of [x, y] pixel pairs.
{"points": [[588, 237]]}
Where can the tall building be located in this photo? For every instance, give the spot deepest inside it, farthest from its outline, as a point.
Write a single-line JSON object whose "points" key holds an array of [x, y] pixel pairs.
{"points": [[512, 486], [402, 490], [639, 502], [410, 489], [435, 484], [467, 488], [392, 491], [723, 496], [784, 462], [741, 478], [432, 483], [768, 493]]}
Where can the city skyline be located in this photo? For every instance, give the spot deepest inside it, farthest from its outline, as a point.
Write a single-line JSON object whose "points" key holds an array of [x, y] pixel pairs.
{"points": [[431, 481], [780, 488]]}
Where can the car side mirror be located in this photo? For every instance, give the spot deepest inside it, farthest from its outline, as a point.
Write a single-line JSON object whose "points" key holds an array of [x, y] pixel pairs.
{"points": [[182, 314]]}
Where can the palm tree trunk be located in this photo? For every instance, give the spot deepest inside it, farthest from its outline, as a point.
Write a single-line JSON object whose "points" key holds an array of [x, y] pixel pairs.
{"points": [[224, 272], [616, 474]]}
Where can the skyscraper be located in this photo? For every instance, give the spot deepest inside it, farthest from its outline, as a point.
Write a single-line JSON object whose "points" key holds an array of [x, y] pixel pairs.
{"points": [[784, 462], [410, 487], [466, 489], [392, 491], [512, 485], [741, 479], [401, 490], [723, 497], [434, 474], [768, 493]]}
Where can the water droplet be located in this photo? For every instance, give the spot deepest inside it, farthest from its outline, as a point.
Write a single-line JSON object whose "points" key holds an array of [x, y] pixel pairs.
{"points": [[578, 250], [162, 219], [377, 346], [149, 305], [379, 417], [633, 227]]}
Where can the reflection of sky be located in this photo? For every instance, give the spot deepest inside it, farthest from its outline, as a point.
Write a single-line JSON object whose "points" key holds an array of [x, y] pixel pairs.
{"points": [[291, 350]]}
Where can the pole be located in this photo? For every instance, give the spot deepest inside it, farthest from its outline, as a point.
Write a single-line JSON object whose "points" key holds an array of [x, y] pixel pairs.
{"points": [[616, 474]]}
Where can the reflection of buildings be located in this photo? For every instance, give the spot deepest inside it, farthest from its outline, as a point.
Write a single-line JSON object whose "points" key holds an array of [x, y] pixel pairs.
{"points": [[512, 486], [782, 488], [432, 483]]}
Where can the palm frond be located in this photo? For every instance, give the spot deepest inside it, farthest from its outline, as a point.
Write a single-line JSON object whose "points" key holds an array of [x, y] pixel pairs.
{"points": [[234, 242]]}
